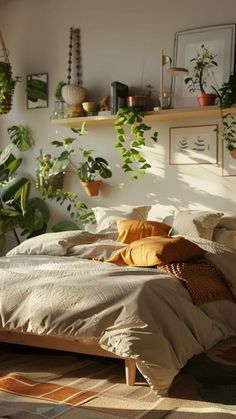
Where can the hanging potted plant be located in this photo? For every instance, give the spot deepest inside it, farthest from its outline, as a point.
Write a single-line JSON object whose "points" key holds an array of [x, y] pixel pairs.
{"points": [[74, 94], [203, 65], [7, 81], [89, 169], [7, 87]]}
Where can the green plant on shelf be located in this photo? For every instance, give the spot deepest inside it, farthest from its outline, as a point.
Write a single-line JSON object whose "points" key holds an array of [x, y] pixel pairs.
{"points": [[130, 139]]}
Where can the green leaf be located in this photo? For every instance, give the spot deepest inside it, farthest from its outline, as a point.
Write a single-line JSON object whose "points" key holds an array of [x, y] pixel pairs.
{"points": [[5, 154], [65, 225], [21, 136]]}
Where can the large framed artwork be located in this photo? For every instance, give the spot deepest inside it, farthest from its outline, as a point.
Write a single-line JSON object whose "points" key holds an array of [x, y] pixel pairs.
{"points": [[37, 91], [220, 40], [196, 144]]}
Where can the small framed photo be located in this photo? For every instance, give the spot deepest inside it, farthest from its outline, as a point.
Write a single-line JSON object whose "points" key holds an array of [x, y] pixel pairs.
{"points": [[228, 161], [37, 91], [196, 144]]}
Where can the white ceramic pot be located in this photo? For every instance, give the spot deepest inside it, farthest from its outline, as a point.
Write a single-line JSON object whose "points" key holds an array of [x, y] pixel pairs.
{"points": [[73, 94]]}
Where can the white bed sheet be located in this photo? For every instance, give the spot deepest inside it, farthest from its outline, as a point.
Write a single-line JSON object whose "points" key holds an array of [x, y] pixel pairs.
{"points": [[137, 312]]}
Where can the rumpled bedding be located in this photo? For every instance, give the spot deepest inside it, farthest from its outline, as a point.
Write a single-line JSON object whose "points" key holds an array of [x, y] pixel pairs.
{"points": [[142, 313]]}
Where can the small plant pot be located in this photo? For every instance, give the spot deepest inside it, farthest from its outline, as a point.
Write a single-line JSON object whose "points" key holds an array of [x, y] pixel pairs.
{"points": [[92, 188], [206, 99], [139, 102], [233, 153], [56, 181]]}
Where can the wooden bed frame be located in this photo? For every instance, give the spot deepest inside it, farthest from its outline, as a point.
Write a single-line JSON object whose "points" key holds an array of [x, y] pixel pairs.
{"points": [[88, 347]]}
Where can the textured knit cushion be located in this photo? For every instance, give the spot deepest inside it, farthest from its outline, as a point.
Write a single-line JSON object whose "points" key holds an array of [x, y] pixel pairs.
{"points": [[157, 250], [131, 230], [195, 223]]}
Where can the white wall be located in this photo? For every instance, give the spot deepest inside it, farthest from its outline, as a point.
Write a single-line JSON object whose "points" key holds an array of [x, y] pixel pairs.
{"points": [[119, 41]]}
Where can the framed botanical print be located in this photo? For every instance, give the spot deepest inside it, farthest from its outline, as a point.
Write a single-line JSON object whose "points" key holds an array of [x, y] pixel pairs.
{"points": [[220, 40], [196, 144]]}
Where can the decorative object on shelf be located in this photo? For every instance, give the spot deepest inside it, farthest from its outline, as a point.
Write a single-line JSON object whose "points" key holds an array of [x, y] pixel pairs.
{"points": [[59, 105], [165, 95], [89, 108], [203, 65], [196, 144], [37, 91], [130, 143], [119, 94], [16, 209], [7, 81], [104, 104], [74, 94], [139, 102], [89, 169], [220, 40]]}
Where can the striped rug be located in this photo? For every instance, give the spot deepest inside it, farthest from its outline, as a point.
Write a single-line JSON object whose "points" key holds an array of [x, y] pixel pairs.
{"points": [[36, 384]]}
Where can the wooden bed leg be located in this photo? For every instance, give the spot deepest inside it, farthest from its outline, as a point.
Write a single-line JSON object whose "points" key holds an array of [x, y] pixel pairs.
{"points": [[130, 371]]}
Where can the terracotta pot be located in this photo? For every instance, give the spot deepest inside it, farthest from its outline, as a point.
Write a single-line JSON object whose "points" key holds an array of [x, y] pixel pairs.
{"points": [[233, 153], [139, 102], [73, 94], [92, 188], [206, 99]]}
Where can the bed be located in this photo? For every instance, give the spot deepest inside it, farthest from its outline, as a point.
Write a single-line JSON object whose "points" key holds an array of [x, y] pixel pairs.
{"points": [[65, 291]]}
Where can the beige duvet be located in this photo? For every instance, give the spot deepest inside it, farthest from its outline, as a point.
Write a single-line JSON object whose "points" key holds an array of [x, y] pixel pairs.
{"points": [[138, 312]]}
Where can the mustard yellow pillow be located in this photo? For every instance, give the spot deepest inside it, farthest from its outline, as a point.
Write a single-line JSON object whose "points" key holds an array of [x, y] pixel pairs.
{"points": [[157, 250], [131, 230]]}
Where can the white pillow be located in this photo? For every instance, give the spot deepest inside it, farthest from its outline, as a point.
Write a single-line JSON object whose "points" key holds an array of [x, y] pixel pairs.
{"points": [[106, 217], [162, 213], [225, 237], [45, 244], [195, 223]]}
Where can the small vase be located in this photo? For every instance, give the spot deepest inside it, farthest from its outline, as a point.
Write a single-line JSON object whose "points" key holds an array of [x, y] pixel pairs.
{"points": [[233, 153], [92, 188], [73, 94], [206, 99]]}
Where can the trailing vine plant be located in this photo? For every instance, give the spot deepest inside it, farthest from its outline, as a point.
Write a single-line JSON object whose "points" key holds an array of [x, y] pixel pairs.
{"points": [[130, 139]]}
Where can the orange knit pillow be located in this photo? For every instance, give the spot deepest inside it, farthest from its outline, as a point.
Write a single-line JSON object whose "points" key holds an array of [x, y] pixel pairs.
{"points": [[157, 250], [131, 230]]}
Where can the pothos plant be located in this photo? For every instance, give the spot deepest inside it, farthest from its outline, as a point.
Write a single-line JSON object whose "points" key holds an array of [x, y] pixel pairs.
{"points": [[131, 138]]}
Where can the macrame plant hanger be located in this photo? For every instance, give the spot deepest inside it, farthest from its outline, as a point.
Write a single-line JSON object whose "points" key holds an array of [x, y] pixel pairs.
{"points": [[4, 51], [7, 82], [73, 94]]}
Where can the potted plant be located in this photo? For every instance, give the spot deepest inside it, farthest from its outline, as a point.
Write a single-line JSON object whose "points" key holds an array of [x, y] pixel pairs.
{"points": [[131, 138], [226, 98], [203, 65], [89, 169], [7, 87], [17, 210]]}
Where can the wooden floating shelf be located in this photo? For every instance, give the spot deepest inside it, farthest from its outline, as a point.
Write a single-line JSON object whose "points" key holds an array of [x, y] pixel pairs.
{"points": [[162, 115]]}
